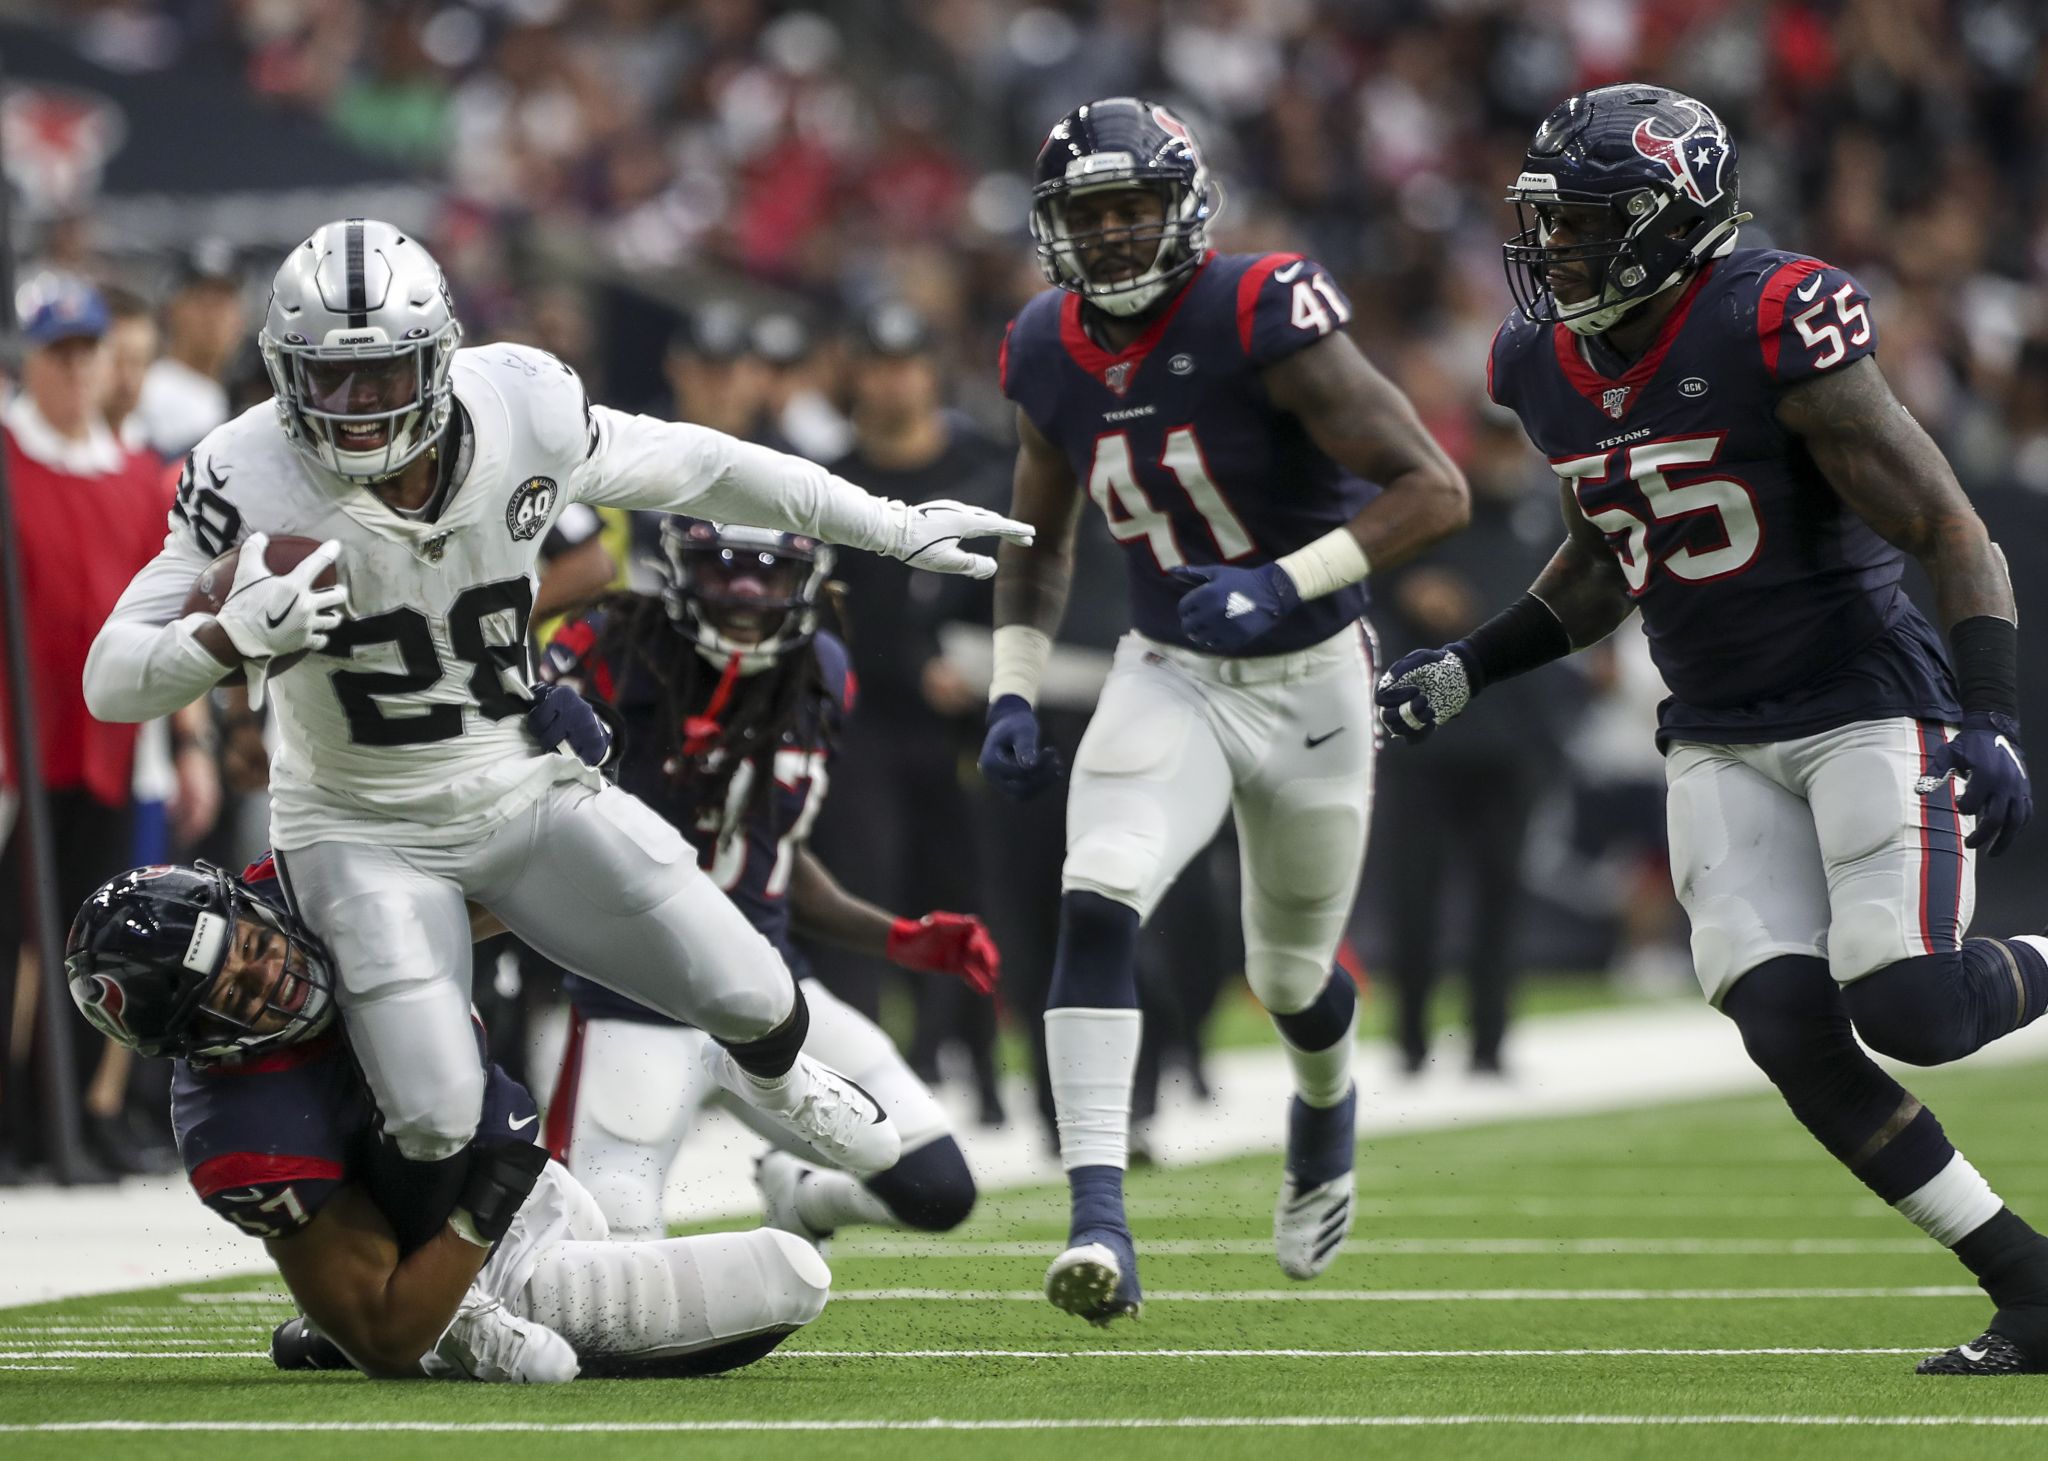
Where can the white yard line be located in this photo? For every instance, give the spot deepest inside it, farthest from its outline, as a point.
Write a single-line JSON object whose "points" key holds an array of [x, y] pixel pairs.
{"points": [[1322, 1354], [139, 1354], [1557, 1247], [1422, 1296], [1048, 1423]]}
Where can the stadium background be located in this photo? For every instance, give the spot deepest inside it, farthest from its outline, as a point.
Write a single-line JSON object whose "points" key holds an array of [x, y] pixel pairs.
{"points": [[652, 187]]}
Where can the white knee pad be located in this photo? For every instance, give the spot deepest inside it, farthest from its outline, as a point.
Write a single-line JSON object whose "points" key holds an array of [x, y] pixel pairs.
{"points": [[1297, 896], [665, 1298], [1285, 981], [430, 1107]]}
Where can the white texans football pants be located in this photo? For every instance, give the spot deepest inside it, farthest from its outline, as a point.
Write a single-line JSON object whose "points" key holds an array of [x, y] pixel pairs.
{"points": [[592, 879], [636, 1091], [1818, 846], [1284, 742], [560, 1266]]}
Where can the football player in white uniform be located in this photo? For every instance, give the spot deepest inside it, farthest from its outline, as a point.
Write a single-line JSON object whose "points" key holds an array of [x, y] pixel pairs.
{"points": [[415, 768]]}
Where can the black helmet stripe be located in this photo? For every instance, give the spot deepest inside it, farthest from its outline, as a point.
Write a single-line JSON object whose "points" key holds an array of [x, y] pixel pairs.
{"points": [[358, 291]]}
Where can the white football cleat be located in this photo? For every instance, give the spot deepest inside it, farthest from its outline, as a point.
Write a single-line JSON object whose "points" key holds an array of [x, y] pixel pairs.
{"points": [[819, 1107], [1093, 1281], [1310, 1224], [777, 1176], [488, 1342]]}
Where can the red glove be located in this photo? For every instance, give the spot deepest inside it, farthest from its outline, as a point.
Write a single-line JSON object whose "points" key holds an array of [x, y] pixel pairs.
{"points": [[947, 943]]}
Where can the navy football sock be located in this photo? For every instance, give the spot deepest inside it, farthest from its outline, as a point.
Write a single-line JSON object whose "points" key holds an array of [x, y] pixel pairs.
{"points": [[1935, 1008], [1322, 1142], [1097, 1198]]}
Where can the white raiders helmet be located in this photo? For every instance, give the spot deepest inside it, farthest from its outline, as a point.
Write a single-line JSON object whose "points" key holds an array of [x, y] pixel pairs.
{"points": [[358, 340]]}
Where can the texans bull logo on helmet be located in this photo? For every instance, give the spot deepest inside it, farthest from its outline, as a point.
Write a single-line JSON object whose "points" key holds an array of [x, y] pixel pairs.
{"points": [[1693, 156]]}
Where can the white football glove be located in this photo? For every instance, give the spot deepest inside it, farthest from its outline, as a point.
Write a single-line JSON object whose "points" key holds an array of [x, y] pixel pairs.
{"points": [[268, 614], [927, 535]]}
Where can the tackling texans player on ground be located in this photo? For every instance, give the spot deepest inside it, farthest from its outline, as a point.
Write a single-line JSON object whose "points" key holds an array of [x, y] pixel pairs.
{"points": [[415, 768], [728, 698], [1734, 464], [279, 1137], [1230, 432]]}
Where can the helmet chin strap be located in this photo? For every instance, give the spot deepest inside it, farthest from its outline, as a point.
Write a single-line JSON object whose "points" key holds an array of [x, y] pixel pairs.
{"points": [[1713, 246]]}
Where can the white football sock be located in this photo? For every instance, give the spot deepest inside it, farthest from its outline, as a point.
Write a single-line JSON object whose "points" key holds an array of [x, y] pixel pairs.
{"points": [[1093, 1055], [1323, 1076], [828, 1200], [1952, 1204]]}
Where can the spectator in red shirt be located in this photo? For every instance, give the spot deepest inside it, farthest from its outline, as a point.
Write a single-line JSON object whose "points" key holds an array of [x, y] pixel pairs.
{"points": [[90, 513]]}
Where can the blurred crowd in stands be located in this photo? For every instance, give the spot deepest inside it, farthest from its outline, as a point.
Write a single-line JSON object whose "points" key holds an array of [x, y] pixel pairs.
{"points": [[807, 227]]}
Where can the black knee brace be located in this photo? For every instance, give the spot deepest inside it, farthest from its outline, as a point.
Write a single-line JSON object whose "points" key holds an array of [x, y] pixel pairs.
{"points": [[1795, 1026], [930, 1189], [772, 1054]]}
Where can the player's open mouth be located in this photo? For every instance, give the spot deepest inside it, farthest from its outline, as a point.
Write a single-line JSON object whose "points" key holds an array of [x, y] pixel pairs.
{"points": [[362, 438]]}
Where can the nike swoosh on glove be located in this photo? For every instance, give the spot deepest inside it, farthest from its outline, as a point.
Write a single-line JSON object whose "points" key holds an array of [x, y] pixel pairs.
{"points": [[947, 943], [1986, 754], [928, 534], [1011, 757], [1225, 609], [1423, 689], [269, 614], [560, 716]]}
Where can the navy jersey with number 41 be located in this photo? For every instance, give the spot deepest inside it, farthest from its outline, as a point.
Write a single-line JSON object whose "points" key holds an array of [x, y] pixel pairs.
{"points": [[1772, 609], [1177, 441]]}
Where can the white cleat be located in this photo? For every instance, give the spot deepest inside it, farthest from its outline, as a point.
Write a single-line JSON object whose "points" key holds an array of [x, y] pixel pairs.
{"points": [[818, 1106], [489, 1343], [777, 1176], [1088, 1281], [1310, 1224]]}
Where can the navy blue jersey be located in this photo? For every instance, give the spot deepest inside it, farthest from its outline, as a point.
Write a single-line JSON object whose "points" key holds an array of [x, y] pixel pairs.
{"points": [[1176, 440], [1772, 609], [745, 843], [267, 1140]]}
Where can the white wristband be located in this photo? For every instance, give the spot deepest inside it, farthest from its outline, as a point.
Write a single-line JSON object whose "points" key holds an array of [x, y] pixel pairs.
{"points": [[1333, 561], [1021, 654]]}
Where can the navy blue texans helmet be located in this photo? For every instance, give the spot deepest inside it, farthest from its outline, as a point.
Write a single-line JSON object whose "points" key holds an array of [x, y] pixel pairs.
{"points": [[1662, 167], [1122, 142], [739, 591], [147, 949]]}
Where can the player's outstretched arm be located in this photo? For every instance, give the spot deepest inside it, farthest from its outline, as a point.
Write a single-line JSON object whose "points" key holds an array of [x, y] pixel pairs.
{"points": [[1578, 599], [1893, 476], [1032, 581], [672, 466], [938, 943], [1366, 424]]}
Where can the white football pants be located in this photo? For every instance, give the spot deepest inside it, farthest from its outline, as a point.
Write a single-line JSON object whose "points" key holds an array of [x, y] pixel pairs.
{"points": [[592, 879]]}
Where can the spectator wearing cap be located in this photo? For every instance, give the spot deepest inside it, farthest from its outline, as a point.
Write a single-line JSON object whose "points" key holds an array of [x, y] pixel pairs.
{"points": [[800, 415], [899, 825], [90, 514], [184, 393]]}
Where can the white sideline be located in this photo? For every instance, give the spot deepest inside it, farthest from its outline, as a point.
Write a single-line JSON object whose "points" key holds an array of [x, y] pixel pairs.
{"points": [[148, 1231], [1421, 1296], [784, 1355], [1051, 1423]]}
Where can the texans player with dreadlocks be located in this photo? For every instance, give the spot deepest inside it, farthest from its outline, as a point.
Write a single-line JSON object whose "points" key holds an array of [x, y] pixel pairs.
{"points": [[727, 697], [1734, 464]]}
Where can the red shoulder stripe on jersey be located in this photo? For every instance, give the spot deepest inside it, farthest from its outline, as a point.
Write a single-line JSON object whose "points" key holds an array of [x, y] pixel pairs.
{"points": [[285, 1057], [1249, 284], [262, 870], [1490, 349], [1092, 358], [1591, 384], [849, 692], [1770, 307], [250, 1169], [1003, 360]]}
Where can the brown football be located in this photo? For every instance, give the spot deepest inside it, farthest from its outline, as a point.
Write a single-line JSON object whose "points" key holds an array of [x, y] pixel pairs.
{"points": [[210, 590]]}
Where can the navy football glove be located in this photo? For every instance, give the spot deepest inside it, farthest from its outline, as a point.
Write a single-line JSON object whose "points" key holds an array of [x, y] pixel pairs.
{"points": [[1226, 608], [1012, 758], [1986, 754], [560, 715], [1423, 689]]}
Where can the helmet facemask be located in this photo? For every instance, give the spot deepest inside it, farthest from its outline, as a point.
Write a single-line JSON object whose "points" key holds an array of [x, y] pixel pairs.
{"points": [[1167, 250], [293, 1003], [364, 411], [1657, 237], [745, 594]]}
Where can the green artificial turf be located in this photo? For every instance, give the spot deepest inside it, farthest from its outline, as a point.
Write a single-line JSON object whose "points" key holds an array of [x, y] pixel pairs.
{"points": [[1685, 1203]]}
